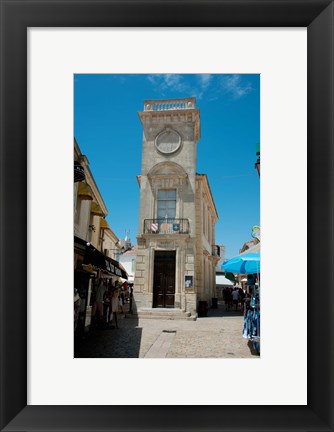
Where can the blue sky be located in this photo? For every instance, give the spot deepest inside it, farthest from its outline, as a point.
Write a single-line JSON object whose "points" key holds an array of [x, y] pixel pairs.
{"points": [[109, 133]]}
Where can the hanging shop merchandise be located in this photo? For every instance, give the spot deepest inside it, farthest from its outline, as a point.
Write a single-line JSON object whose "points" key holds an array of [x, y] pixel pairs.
{"points": [[90, 264], [249, 264], [251, 330]]}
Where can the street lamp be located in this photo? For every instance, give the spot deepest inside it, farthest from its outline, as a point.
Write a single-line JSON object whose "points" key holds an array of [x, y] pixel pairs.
{"points": [[257, 165]]}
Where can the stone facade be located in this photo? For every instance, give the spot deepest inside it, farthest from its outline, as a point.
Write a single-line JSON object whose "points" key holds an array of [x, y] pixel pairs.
{"points": [[91, 232], [89, 206], [186, 231]]}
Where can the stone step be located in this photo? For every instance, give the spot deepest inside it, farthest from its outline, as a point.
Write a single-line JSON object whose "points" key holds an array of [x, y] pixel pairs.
{"points": [[163, 313]]}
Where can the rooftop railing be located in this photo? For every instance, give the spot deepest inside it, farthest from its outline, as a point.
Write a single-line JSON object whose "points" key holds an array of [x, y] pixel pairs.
{"points": [[169, 104], [166, 226]]}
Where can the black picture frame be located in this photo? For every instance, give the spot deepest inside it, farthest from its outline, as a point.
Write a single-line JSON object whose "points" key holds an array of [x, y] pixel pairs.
{"points": [[188, 282], [16, 17]]}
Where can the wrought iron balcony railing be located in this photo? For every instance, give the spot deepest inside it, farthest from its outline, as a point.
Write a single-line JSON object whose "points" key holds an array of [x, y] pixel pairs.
{"points": [[215, 250], [166, 226]]}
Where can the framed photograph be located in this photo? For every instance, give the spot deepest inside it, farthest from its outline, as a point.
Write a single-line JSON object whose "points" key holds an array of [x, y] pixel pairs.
{"points": [[18, 197], [188, 281]]}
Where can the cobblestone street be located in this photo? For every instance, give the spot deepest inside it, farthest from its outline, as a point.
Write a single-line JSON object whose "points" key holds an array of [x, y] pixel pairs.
{"points": [[219, 335]]}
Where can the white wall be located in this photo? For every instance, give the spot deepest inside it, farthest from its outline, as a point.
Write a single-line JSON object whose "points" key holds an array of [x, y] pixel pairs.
{"points": [[129, 263]]}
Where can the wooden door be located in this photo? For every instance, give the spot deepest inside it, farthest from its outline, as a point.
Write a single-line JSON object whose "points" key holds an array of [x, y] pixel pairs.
{"points": [[164, 279]]}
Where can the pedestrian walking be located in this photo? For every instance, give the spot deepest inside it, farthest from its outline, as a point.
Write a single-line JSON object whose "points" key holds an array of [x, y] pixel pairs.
{"points": [[107, 302], [114, 306], [121, 301], [227, 298], [131, 299], [77, 301], [235, 297], [98, 304]]}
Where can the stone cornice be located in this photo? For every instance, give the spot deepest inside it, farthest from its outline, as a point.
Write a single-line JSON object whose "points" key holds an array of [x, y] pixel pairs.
{"points": [[173, 116]]}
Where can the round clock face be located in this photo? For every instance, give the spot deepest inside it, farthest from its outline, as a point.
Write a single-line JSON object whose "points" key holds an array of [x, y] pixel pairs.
{"points": [[168, 141]]}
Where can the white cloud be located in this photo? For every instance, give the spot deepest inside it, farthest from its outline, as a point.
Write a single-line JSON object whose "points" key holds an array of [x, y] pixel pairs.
{"points": [[153, 79], [174, 82], [235, 85], [202, 85], [205, 80]]}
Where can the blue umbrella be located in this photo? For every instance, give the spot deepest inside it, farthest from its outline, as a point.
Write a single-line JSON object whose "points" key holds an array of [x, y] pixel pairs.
{"points": [[248, 263]]}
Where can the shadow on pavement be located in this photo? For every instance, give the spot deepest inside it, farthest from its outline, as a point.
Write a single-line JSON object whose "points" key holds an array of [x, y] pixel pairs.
{"points": [[222, 312], [110, 342]]}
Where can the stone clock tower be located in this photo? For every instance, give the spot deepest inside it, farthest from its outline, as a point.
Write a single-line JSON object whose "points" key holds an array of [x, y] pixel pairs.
{"points": [[166, 280]]}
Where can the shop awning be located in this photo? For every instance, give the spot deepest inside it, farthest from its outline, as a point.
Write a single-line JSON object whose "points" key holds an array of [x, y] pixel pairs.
{"points": [[96, 210], [104, 225], [84, 191], [80, 244], [100, 261], [222, 280], [230, 276]]}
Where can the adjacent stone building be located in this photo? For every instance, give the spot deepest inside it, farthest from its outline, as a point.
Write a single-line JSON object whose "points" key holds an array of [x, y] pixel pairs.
{"points": [[176, 252], [95, 244]]}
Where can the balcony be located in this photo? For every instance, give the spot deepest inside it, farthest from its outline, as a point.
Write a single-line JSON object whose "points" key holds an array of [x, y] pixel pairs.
{"points": [[166, 226], [169, 104], [215, 250]]}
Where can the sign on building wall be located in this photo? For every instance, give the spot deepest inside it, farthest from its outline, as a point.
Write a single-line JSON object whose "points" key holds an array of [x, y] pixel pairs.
{"points": [[188, 281]]}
